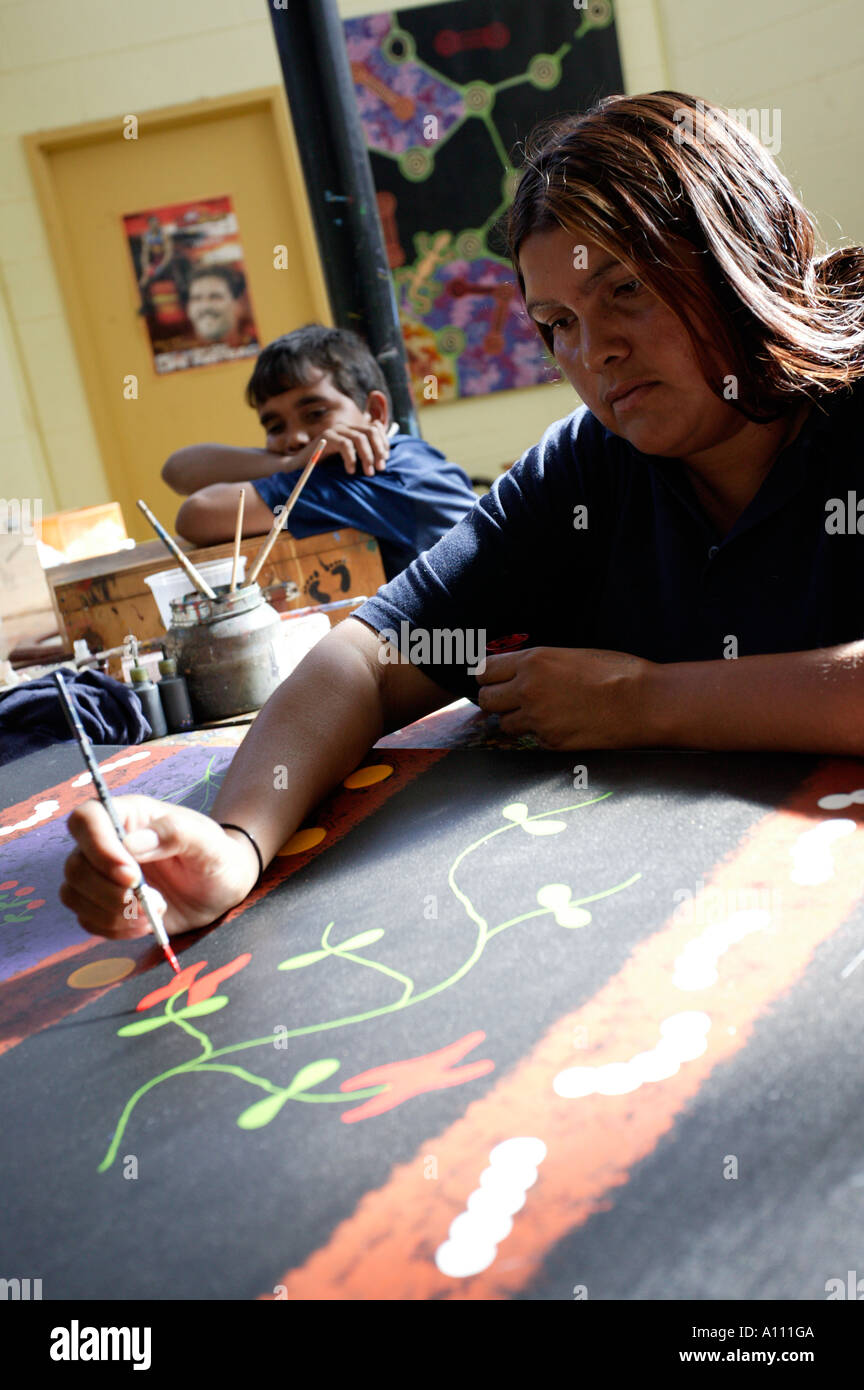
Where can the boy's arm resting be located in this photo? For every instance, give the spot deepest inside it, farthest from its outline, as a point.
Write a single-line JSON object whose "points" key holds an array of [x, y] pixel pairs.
{"points": [[312, 732], [197, 466]]}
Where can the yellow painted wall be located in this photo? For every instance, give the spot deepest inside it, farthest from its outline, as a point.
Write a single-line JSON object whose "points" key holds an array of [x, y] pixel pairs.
{"points": [[86, 184], [63, 62], [804, 57]]}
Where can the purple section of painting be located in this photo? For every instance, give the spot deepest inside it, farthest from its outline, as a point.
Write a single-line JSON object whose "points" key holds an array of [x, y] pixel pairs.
{"points": [[497, 347], [426, 91], [190, 776]]}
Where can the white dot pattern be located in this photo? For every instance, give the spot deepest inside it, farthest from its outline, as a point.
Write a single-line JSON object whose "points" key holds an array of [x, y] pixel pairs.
{"points": [[476, 1233], [682, 1039]]}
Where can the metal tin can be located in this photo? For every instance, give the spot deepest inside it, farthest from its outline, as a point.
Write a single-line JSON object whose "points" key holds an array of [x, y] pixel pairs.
{"points": [[230, 649]]}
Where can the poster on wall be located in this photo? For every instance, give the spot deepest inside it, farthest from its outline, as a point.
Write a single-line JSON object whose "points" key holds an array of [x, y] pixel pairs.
{"points": [[444, 96], [191, 282]]}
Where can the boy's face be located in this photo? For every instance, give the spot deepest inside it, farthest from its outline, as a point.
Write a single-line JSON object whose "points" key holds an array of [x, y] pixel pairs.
{"points": [[294, 418]]}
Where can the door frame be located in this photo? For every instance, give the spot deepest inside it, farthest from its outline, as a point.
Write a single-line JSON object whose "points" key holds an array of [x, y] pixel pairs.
{"points": [[39, 147]]}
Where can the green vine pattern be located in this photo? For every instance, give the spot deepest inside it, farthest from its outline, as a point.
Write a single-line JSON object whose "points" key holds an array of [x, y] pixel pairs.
{"points": [[553, 900]]}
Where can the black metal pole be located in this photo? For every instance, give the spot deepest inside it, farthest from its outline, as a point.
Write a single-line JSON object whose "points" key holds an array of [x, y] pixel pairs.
{"points": [[320, 92]]}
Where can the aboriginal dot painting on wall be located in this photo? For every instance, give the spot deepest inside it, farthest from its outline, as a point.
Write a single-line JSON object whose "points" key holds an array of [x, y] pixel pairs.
{"points": [[445, 93]]}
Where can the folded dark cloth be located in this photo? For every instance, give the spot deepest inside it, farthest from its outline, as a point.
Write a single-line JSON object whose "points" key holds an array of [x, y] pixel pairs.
{"points": [[32, 717]]}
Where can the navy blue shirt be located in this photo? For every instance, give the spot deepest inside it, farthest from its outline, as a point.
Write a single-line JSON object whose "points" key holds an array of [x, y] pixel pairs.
{"points": [[418, 497], [643, 569]]}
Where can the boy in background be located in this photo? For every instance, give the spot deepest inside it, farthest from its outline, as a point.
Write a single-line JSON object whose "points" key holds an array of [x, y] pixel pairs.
{"points": [[322, 382]]}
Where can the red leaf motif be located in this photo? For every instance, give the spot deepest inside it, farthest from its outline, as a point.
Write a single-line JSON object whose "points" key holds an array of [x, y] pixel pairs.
{"points": [[198, 989], [206, 986], [432, 1072]]}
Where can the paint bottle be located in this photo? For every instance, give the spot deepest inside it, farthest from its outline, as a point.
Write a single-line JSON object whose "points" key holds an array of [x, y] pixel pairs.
{"points": [[148, 694], [174, 694]]}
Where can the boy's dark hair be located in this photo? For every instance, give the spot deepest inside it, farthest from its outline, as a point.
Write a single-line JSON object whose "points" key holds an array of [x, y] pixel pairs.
{"points": [[285, 363]]}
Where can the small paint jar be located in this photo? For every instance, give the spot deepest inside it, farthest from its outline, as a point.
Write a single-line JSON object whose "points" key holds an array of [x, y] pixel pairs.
{"points": [[151, 705], [174, 695], [230, 649]]}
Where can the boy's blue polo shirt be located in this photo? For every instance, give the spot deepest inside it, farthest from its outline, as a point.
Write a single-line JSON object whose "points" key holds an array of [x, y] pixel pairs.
{"points": [[648, 573], [418, 497]]}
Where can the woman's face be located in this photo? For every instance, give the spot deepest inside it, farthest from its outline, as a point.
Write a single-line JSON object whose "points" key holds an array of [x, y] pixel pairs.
{"points": [[609, 333]]}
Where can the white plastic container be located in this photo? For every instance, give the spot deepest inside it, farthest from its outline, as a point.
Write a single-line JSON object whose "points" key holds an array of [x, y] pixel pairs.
{"points": [[168, 584], [299, 636]]}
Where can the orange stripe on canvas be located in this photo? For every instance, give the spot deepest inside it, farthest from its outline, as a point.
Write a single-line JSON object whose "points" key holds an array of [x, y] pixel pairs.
{"points": [[686, 1000]]}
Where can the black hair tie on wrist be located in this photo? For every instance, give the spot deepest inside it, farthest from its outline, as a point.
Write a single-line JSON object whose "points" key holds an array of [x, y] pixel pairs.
{"points": [[226, 825]]}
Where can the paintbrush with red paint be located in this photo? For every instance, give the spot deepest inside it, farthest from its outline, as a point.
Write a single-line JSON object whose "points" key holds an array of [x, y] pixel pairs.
{"points": [[140, 889]]}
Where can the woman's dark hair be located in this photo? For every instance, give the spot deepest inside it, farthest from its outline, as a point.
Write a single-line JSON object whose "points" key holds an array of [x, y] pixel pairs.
{"points": [[286, 362], [650, 178]]}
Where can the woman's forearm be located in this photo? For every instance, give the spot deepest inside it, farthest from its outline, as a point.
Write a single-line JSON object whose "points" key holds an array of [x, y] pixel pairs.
{"points": [[311, 733], [315, 729], [809, 702]]}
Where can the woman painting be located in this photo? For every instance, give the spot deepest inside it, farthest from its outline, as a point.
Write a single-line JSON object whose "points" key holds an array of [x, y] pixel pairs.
{"points": [[676, 564]]}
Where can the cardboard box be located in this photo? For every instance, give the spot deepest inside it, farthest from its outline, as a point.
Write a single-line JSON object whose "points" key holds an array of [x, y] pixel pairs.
{"points": [[23, 582], [105, 598], [85, 531]]}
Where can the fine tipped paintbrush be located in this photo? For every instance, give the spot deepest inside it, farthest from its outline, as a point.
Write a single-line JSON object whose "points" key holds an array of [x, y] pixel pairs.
{"points": [[200, 584], [238, 536], [285, 513], [140, 888]]}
